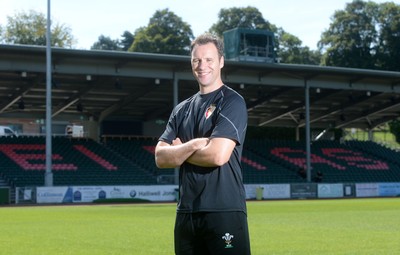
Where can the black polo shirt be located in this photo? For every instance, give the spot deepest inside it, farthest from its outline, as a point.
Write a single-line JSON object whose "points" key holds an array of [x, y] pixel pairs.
{"points": [[221, 113]]}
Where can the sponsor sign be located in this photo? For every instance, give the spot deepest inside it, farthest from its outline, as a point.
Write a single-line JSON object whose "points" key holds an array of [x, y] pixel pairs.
{"points": [[53, 195], [277, 191], [349, 189], [87, 193], [269, 191], [250, 190], [330, 190], [367, 190], [303, 190], [389, 189]]}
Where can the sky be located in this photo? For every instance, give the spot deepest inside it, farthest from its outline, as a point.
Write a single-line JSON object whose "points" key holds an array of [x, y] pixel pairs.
{"points": [[88, 19]]}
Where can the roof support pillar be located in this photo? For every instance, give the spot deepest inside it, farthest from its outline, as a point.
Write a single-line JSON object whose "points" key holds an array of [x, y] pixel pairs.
{"points": [[48, 176], [308, 136]]}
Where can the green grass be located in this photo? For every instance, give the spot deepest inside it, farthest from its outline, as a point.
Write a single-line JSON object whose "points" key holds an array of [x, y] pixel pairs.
{"points": [[347, 226]]}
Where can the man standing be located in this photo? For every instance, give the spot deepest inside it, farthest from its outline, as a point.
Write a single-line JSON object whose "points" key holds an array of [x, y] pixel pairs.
{"points": [[204, 138]]}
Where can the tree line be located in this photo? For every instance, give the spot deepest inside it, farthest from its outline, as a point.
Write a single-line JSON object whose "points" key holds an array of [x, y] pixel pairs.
{"points": [[364, 35]]}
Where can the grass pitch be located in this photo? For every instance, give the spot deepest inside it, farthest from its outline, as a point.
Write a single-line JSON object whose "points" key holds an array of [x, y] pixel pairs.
{"points": [[343, 226]]}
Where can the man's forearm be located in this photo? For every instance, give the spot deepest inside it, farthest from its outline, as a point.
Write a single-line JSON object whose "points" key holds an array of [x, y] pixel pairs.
{"points": [[216, 153], [171, 156]]}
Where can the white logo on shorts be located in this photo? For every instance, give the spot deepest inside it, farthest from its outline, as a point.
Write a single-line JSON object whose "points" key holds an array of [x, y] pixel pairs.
{"points": [[228, 240]]}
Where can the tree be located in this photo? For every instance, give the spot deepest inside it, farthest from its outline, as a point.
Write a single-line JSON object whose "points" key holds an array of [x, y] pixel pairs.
{"points": [[166, 33], [394, 127], [389, 39], [288, 48], [106, 43], [127, 40], [246, 17], [364, 35], [30, 28]]}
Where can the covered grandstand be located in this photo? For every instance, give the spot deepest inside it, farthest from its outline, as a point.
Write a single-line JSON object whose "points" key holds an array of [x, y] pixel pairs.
{"points": [[124, 99]]}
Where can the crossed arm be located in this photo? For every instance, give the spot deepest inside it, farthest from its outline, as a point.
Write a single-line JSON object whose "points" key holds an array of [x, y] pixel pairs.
{"points": [[203, 152]]}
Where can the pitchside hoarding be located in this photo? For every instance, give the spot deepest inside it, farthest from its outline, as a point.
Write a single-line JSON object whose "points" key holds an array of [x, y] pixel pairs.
{"points": [[167, 193], [87, 194]]}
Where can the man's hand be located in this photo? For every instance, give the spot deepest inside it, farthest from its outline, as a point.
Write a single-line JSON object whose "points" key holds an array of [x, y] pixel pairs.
{"points": [[177, 141], [198, 143]]}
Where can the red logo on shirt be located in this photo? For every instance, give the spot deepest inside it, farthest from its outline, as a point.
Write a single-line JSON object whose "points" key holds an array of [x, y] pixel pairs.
{"points": [[209, 111]]}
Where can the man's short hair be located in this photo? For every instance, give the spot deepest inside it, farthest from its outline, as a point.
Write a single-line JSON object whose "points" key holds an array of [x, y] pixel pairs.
{"points": [[209, 38]]}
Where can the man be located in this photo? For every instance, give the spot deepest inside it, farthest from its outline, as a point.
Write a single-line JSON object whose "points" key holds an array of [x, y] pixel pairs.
{"points": [[204, 138]]}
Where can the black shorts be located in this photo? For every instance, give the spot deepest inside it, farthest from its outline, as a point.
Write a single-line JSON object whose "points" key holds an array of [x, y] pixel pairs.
{"points": [[212, 233]]}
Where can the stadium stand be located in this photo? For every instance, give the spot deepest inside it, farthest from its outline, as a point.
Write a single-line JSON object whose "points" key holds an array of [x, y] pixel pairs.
{"points": [[337, 162], [74, 162], [130, 161], [140, 151]]}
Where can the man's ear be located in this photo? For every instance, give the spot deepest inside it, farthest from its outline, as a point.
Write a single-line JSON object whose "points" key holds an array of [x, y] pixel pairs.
{"points": [[222, 62]]}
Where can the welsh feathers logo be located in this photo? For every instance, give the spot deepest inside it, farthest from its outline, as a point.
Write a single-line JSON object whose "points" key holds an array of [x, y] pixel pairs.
{"points": [[228, 240], [209, 111]]}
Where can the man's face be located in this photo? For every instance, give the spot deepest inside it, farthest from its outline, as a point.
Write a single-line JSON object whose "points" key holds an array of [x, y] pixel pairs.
{"points": [[206, 65]]}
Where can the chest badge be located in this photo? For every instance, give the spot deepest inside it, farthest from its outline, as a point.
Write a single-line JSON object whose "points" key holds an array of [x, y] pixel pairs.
{"points": [[209, 111]]}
